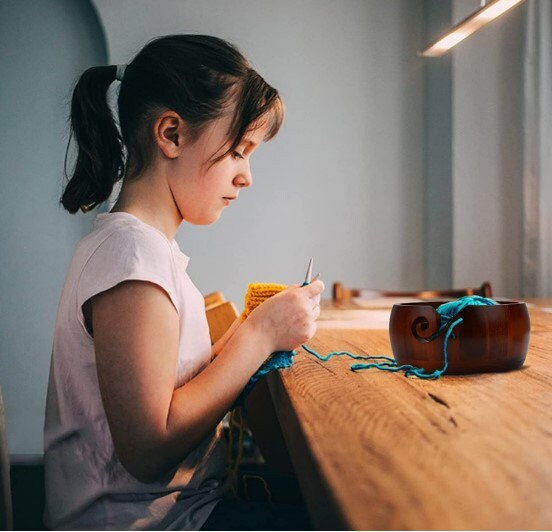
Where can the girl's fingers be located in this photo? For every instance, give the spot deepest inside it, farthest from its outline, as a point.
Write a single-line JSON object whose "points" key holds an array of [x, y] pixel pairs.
{"points": [[315, 288]]}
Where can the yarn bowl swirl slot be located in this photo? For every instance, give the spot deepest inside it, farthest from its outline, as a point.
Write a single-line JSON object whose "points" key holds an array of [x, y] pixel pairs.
{"points": [[490, 338]]}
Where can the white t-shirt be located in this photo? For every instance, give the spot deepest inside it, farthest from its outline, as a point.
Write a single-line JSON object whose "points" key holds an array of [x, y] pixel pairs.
{"points": [[86, 485]]}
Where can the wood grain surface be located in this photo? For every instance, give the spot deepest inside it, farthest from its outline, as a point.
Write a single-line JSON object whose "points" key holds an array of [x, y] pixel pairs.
{"points": [[374, 450]]}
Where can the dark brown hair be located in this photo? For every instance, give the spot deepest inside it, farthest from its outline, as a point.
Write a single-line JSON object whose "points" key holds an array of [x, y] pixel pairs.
{"points": [[197, 76]]}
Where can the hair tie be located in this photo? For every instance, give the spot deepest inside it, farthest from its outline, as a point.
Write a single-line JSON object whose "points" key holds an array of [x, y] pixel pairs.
{"points": [[120, 72]]}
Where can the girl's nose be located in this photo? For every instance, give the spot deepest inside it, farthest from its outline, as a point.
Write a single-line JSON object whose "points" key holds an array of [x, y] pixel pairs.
{"points": [[244, 178]]}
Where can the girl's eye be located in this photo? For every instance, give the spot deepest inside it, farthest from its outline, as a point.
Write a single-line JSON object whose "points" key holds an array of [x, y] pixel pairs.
{"points": [[238, 155]]}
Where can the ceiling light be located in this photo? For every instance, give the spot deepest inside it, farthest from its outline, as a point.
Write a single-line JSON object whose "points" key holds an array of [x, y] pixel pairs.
{"points": [[487, 12]]}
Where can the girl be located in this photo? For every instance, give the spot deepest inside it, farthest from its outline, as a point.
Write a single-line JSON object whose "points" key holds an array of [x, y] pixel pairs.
{"points": [[136, 394]]}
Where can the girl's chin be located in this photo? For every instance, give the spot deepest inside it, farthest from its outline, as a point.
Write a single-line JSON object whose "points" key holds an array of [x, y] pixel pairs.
{"points": [[204, 220]]}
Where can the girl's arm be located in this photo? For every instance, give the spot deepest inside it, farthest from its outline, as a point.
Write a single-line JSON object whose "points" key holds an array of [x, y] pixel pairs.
{"points": [[136, 334]]}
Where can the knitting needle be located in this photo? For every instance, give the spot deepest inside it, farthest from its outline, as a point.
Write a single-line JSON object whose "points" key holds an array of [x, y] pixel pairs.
{"points": [[309, 273]]}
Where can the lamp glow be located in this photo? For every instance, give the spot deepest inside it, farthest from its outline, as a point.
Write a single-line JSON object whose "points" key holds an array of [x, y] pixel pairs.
{"points": [[469, 25]]}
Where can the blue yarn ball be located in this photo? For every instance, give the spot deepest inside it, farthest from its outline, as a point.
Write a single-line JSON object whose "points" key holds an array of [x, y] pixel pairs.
{"points": [[447, 311]]}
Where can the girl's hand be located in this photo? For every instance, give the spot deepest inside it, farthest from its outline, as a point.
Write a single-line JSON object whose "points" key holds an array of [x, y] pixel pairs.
{"points": [[287, 319]]}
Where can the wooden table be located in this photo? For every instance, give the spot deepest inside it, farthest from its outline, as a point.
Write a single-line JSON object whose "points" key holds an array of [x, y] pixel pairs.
{"points": [[374, 450]]}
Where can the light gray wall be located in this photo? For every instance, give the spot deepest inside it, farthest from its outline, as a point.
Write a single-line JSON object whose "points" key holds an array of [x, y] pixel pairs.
{"points": [[545, 126], [487, 157], [343, 180], [43, 47], [437, 149]]}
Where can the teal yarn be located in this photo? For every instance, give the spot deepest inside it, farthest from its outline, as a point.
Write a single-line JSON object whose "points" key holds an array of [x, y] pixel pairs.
{"points": [[446, 311], [278, 360]]}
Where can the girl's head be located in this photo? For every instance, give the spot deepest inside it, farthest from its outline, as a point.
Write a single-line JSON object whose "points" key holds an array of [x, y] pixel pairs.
{"points": [[200, 82]]}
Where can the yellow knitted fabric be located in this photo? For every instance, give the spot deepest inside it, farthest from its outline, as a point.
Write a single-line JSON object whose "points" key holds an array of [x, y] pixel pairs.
{"points": [[257, 293]]}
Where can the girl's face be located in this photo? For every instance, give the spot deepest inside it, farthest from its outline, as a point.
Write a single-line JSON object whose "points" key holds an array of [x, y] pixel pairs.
{"points": [[201, 190]]}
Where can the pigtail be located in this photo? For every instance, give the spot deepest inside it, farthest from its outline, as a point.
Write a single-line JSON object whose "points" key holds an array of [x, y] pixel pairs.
{"points": [[100, 159]]}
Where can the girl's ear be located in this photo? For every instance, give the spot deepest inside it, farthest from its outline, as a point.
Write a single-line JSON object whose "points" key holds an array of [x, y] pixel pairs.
{"points": [[168, 132]]}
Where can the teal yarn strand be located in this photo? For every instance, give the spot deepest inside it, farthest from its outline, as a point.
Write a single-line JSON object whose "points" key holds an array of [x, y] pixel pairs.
{"points": [[413, 370], [446, 311], [346, 353]]}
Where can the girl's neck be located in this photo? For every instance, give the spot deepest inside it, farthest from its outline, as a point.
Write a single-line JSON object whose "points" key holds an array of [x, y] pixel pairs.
{"points": [[150, 200]]}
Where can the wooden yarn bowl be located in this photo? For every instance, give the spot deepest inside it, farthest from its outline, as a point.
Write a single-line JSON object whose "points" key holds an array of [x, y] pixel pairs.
{"points": [[491, 338]]}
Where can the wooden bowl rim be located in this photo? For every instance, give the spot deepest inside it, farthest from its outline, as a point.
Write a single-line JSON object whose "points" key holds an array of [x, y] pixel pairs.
{"points": [[471, 309], [442, 301]]}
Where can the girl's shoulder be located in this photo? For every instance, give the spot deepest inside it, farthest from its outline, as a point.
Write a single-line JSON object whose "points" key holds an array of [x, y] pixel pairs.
{"points": [[121, 236], [122, 248], [126, 229]]}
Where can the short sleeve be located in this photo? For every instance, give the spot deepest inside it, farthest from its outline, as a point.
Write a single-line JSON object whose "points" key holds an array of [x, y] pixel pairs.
{"points": [[128, 254]]}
